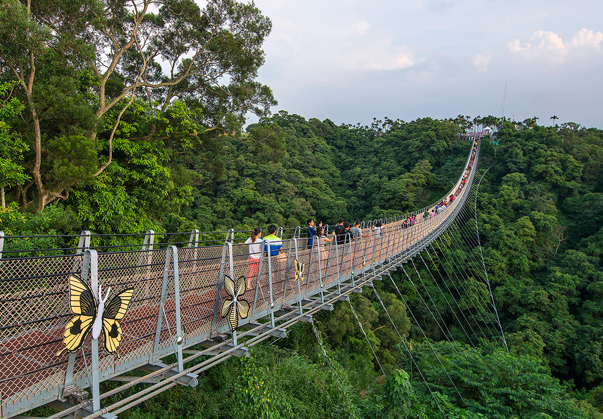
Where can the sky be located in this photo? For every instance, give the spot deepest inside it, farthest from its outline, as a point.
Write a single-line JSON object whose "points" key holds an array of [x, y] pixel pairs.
{"points": [[350, 61]]}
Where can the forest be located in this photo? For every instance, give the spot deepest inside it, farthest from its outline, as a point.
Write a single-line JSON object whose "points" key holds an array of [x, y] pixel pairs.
{"points": [[96, 134]]}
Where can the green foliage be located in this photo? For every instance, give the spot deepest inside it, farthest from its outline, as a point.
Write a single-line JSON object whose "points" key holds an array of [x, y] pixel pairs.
{"points": [[12, 147], [496, 383]]}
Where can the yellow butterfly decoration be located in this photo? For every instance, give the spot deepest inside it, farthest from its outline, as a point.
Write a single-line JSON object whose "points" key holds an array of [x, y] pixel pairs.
{"points": [[235, 307], [91, 315], [299, 271]]}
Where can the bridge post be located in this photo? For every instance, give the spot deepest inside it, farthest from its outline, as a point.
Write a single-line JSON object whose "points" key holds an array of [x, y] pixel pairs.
{"points": [[179, 338], [83, 242], [170, 257], [259, 278], [231, 274], [221, 282], [390, 241], [381, 240], [318, 252], [299, 279], [91, 260], [82, 247], [147, 246], [194, 243], [270, 284], [352, 259], [1, 243], [337, 247], [292, 242]]}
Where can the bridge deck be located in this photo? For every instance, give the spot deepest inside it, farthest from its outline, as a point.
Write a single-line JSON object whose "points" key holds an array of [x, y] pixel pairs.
{"points": [[34, 299]]}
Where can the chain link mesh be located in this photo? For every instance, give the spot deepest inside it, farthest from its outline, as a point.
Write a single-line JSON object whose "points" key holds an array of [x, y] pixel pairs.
{"points": [[34, 297]]}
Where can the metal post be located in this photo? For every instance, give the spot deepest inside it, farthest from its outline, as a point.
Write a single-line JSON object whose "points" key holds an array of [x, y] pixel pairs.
{"points": [[83, 242], [270, 282], [82, 247], [289, 265], [147, 246], [318, 252], [352, 259], [95, 385], [231, 273], [324, 281], [220, 282], [166, 274], [179, 339], [257, 284], [193, 241], [299, 279], [337, 262], [171, 256], [1, 243]]}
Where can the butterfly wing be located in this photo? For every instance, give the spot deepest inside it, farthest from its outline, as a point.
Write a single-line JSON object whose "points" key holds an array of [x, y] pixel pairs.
{"points": [[115, 311], [241, 286], [301, 272], [83, 304], [233, 318], [296, 270], [226, 307], [81, 299], [76, 331], [229, 286], [118, 306], [243, 308], [112, 333]]}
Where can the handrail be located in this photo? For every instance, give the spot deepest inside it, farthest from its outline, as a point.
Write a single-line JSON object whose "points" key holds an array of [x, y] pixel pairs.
{"points": [[179, 297]]}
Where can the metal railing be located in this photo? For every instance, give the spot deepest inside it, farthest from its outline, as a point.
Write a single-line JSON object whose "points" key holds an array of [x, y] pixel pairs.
{"points": [[178, 293]]}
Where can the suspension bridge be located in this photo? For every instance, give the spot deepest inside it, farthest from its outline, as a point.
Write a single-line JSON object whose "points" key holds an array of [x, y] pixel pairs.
{"points": [[61, 335]]}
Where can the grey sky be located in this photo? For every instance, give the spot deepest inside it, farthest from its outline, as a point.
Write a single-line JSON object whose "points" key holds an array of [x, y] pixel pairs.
{"points": [[353, 60]]}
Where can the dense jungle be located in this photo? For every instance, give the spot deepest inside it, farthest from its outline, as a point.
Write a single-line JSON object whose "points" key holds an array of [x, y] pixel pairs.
{"points": [[127, 148]]}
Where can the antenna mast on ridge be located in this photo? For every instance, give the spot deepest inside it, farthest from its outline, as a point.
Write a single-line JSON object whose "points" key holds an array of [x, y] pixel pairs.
{"points": [[504, 100]]}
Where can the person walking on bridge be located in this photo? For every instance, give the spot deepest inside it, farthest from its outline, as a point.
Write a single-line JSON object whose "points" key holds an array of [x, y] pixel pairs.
{"points": [[356, 231], [255, 253], [273, 245], [339, 231], [322, 246], [311, 232]]}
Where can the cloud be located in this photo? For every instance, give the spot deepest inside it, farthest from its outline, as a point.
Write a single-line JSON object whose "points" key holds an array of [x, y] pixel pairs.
{"points": [[362, 27], [480, 62], [380, 55], [587, 38], [551, 45]]}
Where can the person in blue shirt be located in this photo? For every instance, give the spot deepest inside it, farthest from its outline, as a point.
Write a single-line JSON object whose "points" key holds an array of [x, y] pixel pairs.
{"points": [[311, 232], [274, 245]]}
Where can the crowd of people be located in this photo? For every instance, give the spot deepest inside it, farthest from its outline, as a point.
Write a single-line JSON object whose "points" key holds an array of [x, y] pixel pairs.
{"points": [[343, 232]]}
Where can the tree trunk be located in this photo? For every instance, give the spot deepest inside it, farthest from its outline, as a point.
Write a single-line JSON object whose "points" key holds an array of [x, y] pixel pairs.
{"points": [[2, 199], [37, 146]]}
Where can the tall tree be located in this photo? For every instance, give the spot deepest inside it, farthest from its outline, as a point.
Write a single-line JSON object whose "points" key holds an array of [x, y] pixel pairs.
{"points": [[158, 50]]}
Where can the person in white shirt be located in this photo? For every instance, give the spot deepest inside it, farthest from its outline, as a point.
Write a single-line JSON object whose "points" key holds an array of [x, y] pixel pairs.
{"points": [[255, 252]]}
